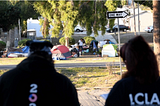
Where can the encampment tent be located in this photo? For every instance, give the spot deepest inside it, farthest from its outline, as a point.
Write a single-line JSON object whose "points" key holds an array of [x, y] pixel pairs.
{"points": [[25, 49], [110, 50], [61, 52], [18, 52]]}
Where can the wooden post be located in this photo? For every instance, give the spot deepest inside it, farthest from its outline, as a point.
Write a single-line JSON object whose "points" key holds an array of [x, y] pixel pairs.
{"points": [[66, 41]]}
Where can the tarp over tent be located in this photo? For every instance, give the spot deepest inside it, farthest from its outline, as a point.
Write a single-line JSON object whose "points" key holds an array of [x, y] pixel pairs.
{"points": [[61, 52], [18, 52], [101, 43], [14, 50], [25, 49], [110, 50]]}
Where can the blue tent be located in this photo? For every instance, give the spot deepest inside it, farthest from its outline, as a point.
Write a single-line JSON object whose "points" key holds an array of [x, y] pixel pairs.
{"points": [[25, 49]]}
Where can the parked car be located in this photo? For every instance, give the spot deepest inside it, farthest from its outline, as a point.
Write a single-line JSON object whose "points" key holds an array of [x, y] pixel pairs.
{"points": [[121, 28], [79, 29], [149, 29], [108, 30]]}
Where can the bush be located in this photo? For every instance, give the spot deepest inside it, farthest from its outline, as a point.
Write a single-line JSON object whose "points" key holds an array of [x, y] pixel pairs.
{"points": [[88, 39], [2, 45], [71, 41], [23, 42]]}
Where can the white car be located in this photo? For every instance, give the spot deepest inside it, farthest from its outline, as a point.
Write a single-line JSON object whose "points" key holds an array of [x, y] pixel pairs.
{"points": [[149, 29], [79, 29]]}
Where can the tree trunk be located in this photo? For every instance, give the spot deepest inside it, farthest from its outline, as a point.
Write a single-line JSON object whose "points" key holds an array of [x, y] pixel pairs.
{"points": [[19, 30], [45, 30], [8, 39], [156, 27], [67, 41]]}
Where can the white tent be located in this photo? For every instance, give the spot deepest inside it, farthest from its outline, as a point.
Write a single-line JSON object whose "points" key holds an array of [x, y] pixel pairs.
{"points": [[110, 50]]}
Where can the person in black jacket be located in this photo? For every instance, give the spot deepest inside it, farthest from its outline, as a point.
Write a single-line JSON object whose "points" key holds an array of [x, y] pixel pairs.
{"points": [[140, 85], [35, 82]]}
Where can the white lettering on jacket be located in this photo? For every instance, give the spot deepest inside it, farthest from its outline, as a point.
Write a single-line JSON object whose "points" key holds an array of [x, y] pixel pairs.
{"points": [[134, 99]]}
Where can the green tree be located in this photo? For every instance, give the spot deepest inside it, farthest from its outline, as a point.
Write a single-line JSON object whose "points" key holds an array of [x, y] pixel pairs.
{"points": [[112, 5], [56, 23], [68, 16], [44, 26], [71, 41], [11, 11], [147, 3], [27, 11], [92, 15], [9, 15], [47, 11], [88, 39], [60, 14]]}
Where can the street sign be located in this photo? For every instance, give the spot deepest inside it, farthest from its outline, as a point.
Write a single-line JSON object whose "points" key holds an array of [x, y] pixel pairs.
{"points": [[117, 14]]}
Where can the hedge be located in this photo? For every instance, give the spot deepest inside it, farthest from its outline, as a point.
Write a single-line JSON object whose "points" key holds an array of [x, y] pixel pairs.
{"points": [[88, 39], [71, 41], [2, 45]]}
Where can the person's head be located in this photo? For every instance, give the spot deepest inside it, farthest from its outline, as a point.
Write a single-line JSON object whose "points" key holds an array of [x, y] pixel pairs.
{"points": [[140, 60], [41, 49]]}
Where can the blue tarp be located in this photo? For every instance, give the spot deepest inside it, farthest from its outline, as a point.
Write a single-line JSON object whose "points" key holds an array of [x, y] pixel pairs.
{"points": [[111, 42], [25, 49]]}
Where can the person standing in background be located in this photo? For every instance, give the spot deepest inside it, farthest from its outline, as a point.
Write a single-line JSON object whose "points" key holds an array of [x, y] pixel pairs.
{"points": [[80, 43]]}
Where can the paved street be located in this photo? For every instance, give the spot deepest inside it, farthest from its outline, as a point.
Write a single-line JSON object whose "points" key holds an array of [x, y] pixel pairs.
{"points": [[67, 65]]}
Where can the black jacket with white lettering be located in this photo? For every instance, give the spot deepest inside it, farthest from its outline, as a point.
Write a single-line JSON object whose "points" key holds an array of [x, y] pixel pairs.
{"points": [[35, 82], [129, 92]]}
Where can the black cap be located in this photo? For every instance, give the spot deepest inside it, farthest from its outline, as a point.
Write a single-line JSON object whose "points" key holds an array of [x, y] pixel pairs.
{"points": [[39, 46]]}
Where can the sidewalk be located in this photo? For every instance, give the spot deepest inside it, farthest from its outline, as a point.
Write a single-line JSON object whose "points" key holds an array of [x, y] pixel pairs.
{"points": [[91, 98]]}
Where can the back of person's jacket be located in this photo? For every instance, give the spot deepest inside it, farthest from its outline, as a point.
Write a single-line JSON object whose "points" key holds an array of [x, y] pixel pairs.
{"points": [[35, 82], [129, 92]]}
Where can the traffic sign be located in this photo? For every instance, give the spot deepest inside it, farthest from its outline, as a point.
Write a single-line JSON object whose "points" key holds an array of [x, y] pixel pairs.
{"points": [[117, 14]]}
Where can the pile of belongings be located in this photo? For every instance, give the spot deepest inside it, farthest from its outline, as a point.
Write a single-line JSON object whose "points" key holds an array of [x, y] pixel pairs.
{"points": [[17, 52]]}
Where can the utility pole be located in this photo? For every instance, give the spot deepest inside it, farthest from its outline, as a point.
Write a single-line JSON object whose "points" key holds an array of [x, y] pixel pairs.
{"points": [[134, 18], [119, 41], [138, 21], [19, 30]]}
